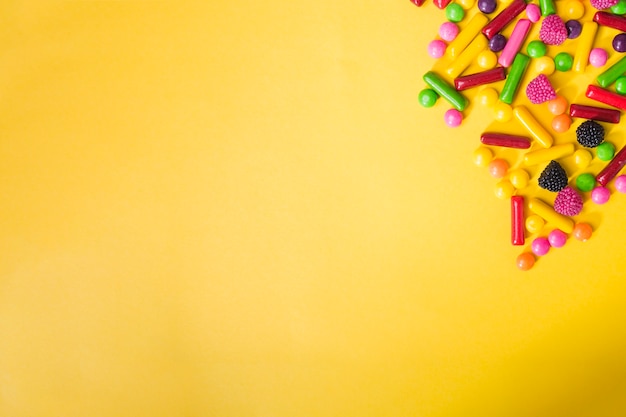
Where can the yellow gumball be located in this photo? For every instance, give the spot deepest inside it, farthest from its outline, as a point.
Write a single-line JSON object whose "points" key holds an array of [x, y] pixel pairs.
{"points": [[487, 59], [544, 65], [582, 158], [487, 96], [534, 223], [504, 189], [482, 156], [502, 112], [519, 178], [574, 9]]}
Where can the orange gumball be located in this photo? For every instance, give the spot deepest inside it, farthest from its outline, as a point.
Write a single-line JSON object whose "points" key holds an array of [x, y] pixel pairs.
{"points": [[558, 105], [498, 168], [561, 123], [582, 231], [525, 261]]}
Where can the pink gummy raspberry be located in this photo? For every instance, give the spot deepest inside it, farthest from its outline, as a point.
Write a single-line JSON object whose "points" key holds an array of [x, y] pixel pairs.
{"points": [[539, 90], [603, 4], [568, 202], [553, 30]]}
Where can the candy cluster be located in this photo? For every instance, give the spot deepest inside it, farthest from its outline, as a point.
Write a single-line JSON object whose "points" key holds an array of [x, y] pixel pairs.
{"points": [[514, 55]]}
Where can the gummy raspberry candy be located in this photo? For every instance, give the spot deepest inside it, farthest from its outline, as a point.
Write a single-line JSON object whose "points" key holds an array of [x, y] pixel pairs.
{"points": [[553, 178], [590, 134], [603, 4], [553, 30], [568, 202], [539, 90]]}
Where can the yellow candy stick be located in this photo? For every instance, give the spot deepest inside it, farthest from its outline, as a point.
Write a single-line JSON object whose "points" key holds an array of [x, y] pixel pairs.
{"points": [[470, 53], [546, 155], [470, 31], [549, 215], [585, 43], [531, 124]]}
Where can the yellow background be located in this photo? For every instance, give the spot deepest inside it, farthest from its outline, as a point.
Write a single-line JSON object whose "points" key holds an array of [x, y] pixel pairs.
{"points": [[239, 209]]}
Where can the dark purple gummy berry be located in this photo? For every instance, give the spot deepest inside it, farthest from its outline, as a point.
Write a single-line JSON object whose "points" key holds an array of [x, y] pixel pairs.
{"points": [[487, 6], [573, 28], [496, 44], [619, 42]]}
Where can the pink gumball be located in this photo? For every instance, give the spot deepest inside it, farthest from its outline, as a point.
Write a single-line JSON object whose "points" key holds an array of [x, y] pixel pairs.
{"points": [[533, 13], [620, 183], [600, 195], [453, 117], [436, 48], [598, 57], [540, 246], [448, 31], [557, 238]]}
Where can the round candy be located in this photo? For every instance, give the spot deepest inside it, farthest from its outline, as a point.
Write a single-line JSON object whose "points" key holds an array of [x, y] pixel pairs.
{"points": [[482, 156], [619, 7], [600, 195], [582, 158], [620, 183], [574, 28], [436, 48], [448, 31], [453, 118], [467, 4], [544, 65], [502, 112], [536, 49], [519, 178], [454, 12], [487, 6], [619, 42], [428, 97], [605, 151], [585, 182], [534, 223], [487, 59], [540, 246], [574, 9], [563, 61], [582, 231], [533, 12], [525, 261], [497, 43], [561, 123], [620, 85], [557, 238], [598, 57], [558, 105], [487, 96], [498, 168], [504, 189]]}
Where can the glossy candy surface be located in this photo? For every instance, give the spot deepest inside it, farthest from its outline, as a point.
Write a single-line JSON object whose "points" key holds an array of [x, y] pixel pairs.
{"points": [[517, 220], [514, 78], [599, 114], [600, 195], [612, 168], [582, 231], [540, 246], [480, 78], [531, 124], [445, 90], [525, 261], [503, 18], [557, 238], [505, 140], [550, 216], [605, 96]]}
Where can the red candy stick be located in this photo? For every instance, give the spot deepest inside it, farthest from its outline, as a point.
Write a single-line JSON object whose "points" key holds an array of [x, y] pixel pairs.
{"points": [[505, 17], [441, 3], [605, 96], [418, 3], [507, 141], [517, 220], [612, 168], [594, 113], [610, 20], [480, 78]]}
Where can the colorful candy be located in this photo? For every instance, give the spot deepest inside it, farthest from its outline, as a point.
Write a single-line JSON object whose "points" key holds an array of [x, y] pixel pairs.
{"points": [[561, 123], [600, 195], [615, 71], [598, 57], [445, 90], [498, 168], [517, 220], [480, 78], [619, 42], [519, 178], [505, 140], [514, 79], [568, 202], [467, 35], [539, 90], [582, 231], [465, 59], [620, 183], [612, 168], [610, 20], [534, 223], [512, 47], [504, 189], [585, 43], [454, 12], [557, 238], [549, 215], [505, 17], [553, 30], [441, 4], [482, 157], [448, 31], [549, 154], [453, 118], [533, 12], [594, 113], [533, 127], [540, 246], [585, 182], [574, 28], [582, 158], [525, 261], [605, 151], [605, 96], [563, 62]]}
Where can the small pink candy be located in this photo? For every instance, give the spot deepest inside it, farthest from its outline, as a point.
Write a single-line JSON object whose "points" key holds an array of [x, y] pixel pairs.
{"points": [[600, 195], [603, 4], [557, 238], [598, 57], [436, 48], [533, 12], [539, 90], [553, 30], [453, 117], [540, 246], [620, 183], [448, 31]]}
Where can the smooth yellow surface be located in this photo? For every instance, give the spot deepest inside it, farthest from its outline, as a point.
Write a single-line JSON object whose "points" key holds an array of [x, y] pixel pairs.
{"points": [[239, 209]]}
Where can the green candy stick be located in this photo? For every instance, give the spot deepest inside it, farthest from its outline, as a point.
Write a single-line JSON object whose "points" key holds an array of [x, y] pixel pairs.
{"points": [[615, 71], [547, 7], [445, 90], [514, 78]]}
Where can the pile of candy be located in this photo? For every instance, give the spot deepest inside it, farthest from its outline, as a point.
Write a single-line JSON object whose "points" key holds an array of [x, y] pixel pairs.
{"points": [[515, 55]]}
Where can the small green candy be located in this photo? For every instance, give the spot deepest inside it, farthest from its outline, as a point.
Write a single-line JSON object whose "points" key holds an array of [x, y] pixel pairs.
{"points": [[563, 61], [537, 49], [585, 182], [620, 85], [428, 97], [619, 8], [454, 12], [605, 151]]}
